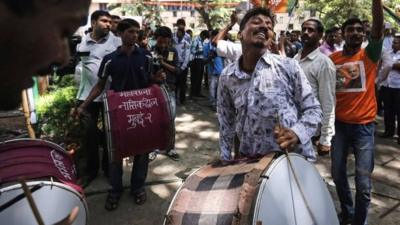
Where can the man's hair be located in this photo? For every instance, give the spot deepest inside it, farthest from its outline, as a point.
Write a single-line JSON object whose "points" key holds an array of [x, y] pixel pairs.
{"points": [[126, 24], [99, 13], [214, 32], [254, 12], [164, 32], [331, 30], [142, 35], [205, 33], [181, 21], [113, 17], [320, 26], [351, 21], [365, 21], [20, 7]]}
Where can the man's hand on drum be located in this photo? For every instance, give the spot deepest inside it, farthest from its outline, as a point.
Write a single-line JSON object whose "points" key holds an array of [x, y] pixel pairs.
{"points": [[70, 218], [286, 138], [159, 76]]}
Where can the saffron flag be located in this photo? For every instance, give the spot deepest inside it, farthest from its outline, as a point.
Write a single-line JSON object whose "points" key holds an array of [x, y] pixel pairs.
{"points": [[278, 6]]}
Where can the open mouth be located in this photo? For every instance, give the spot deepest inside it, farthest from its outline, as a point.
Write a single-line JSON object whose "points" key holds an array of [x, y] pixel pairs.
{"points": [[261, 34]]}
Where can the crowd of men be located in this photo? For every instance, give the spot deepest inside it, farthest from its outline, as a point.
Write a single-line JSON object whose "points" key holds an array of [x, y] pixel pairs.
{"points": [[270, 92]]}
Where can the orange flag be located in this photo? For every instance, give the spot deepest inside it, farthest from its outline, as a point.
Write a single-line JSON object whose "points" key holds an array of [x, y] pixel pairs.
{"points": [[278, 6]]}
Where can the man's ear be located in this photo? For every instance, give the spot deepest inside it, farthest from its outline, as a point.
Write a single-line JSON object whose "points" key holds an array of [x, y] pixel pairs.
{"points": [[239, 35]]}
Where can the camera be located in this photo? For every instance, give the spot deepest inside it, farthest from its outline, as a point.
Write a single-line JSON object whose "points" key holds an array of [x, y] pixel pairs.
{"points": [[156, 62], [73, 41]]}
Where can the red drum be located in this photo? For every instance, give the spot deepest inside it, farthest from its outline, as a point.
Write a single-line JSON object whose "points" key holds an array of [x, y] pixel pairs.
{"points": [[50, 175], [254, 192], [138, 121]]}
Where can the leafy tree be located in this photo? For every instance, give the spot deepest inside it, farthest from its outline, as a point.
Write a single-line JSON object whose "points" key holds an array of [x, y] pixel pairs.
{"points": [[151, 13], [215, 15], [335, 12]]}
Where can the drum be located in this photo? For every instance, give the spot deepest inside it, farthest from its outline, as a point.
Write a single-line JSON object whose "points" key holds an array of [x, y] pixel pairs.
{"points": [[49, 174], [138, 121], [254, 192]]}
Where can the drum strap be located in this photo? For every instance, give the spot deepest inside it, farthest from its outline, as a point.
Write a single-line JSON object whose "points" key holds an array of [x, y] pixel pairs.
{"points": [[18, 198], [248, 190]]}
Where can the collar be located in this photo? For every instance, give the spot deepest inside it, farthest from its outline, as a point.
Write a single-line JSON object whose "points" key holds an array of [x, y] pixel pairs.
{"points": [[314, 54], [235, 70], [121, 53], [102, 40], [326, 45]]}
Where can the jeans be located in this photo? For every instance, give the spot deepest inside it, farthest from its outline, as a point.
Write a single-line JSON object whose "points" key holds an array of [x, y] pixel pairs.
{"points": [[361, 138], [172, 103], [213, 85], [138, 175]]}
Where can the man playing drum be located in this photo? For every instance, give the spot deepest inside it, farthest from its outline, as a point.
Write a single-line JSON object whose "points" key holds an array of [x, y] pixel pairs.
{"points": [[21, 59], [135, 74], [261, 90]]}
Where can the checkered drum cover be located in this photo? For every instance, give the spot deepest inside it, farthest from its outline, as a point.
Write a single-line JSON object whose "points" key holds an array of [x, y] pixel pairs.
{"points": [[217, 195]]}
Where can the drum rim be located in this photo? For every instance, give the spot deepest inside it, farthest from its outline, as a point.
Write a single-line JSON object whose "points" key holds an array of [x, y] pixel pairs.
{"points": [[50, 183], [176, 194], [262, 185], [35, 141]]}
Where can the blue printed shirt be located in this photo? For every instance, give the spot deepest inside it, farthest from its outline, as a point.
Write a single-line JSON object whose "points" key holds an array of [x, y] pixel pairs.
{"points": [[248, 106]]}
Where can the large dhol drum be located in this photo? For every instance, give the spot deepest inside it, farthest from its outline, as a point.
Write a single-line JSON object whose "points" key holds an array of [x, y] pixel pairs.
{"points": [[50, 175], [259, 192], [138, 121]]}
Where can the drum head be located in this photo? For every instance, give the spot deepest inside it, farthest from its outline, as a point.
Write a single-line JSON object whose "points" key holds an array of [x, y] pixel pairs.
{"points": [[53, 200], [279, 201]]}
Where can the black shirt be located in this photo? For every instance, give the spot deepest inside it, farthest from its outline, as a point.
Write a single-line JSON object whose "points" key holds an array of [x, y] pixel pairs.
{"points": [[126, 72], [170, 56]]}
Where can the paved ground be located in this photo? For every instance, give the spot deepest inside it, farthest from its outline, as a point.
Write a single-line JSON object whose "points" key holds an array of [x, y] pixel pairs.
{"points": [[197, 138]]}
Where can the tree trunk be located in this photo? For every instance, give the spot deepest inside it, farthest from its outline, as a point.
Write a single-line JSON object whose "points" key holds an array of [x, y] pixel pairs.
{"points": [[205, 15]]}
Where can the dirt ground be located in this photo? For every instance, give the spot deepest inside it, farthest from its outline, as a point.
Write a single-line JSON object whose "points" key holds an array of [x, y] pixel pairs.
{"points": [[197, 143]]}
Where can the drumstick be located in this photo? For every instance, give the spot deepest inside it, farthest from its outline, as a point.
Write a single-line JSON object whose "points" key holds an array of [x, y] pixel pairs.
{"points": [[296, 179], [31, 202]]}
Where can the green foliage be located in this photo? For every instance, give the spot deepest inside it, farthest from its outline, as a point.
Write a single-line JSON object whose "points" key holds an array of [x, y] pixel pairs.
{"points": [[335, 12], [214, 17], [53, 110], [149, 13]]}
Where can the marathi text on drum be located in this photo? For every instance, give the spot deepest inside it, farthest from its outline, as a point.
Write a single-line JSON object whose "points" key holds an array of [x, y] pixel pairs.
{"points": [[59, 164], [138, 119], [140, 92], [144, 103]]}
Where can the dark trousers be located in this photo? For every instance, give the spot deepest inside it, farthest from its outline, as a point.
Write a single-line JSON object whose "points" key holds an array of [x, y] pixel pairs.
{"points": [[93, 137], [196, 76], [138, 175], [379, 101], [361, 138], [181, 86], [391, 108]]}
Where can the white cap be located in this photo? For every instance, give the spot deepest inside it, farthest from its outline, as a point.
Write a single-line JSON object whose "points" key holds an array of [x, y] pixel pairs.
{"points": [[388, 25]]}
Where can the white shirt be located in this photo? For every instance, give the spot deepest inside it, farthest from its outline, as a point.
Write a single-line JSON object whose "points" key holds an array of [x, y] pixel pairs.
{"points": [[91, 64], [321, 73], [229, 50], [393, 79], [183, 49]]}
